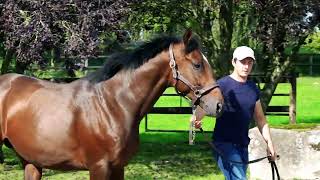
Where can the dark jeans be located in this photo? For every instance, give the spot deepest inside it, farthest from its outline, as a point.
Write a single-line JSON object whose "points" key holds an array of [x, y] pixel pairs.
{"points": [[232, 171]]}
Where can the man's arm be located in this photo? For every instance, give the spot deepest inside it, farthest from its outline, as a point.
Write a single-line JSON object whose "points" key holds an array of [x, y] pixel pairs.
{"points": [[264, 128]]}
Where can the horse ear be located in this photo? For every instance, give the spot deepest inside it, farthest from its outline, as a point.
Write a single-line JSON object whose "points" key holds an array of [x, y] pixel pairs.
{"points": [[187, 36]]}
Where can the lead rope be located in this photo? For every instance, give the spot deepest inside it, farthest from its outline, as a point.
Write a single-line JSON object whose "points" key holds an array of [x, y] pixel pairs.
{"points": [[220, 153], [192, 129]]}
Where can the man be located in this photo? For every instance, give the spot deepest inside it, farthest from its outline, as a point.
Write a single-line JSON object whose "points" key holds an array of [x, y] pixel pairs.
{"points": [[241, 104]]}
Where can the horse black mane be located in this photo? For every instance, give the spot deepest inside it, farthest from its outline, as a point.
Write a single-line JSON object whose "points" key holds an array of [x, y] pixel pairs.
{"points": [[137, 57]]}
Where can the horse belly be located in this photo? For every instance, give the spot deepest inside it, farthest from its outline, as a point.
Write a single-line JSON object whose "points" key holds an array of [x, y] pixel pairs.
{"points": [[46, 140]]}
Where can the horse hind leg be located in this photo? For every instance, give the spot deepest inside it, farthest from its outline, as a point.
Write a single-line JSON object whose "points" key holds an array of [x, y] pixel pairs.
{"points": [[31, 172], [117, 173]]}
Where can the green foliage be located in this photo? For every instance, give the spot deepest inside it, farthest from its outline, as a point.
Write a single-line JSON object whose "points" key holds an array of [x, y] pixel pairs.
{"points": [[160, 16], [313, 42], [33, 28]]}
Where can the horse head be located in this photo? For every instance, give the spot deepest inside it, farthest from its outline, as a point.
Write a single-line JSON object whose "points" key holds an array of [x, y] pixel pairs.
{"points": [[192, 76]]}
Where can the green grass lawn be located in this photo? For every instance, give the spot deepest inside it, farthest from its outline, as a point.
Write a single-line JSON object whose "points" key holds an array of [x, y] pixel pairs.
{"points": [[168, 155], [308, 101]]}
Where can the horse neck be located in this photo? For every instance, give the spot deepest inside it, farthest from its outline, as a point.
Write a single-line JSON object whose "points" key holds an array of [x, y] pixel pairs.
{"points": [[139, 89], [151, 80]]}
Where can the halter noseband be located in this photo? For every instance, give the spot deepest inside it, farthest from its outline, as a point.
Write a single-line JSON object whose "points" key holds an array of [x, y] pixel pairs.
{"points": [[178, 76]]}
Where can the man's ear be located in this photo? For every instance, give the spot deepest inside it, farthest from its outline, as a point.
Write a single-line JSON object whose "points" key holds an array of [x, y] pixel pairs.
{"points": [[233, 61]]}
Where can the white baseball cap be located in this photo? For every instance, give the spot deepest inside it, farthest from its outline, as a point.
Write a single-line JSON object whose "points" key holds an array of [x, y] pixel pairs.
{"points": [[243, 52]]}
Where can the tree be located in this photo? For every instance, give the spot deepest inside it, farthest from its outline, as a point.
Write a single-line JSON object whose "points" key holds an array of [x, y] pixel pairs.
{"points": [[211, 20], [270, 27], [32, 28], [282, 25]]}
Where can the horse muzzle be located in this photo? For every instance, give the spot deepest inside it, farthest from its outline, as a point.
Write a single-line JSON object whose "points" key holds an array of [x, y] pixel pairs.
{"points": [[212, 106]]}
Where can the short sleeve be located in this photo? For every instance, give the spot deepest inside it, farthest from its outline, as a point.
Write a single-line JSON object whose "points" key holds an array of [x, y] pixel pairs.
{"points": [[257, 90]]}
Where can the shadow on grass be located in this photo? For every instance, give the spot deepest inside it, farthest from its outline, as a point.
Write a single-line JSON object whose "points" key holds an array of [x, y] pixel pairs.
{"points": [[167, 155], [160, 156], [12, 165]]}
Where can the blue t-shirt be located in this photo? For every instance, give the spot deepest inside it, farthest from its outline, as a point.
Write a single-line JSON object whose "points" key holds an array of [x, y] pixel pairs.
{"points": [[239, 102]]}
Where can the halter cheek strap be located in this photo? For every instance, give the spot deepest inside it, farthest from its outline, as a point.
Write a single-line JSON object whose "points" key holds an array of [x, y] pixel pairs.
{"points": [[177, 76]]}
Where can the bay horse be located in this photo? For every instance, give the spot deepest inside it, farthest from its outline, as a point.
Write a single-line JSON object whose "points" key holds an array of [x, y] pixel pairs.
{"points": [[93, 123]]}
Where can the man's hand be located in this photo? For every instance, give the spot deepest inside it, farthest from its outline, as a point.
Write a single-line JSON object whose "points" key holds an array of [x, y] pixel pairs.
{"points": [[197, 124], [272, 154]]}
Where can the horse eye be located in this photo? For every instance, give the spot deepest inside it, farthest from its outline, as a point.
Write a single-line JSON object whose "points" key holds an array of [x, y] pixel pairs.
{"points": [[196, 66]]}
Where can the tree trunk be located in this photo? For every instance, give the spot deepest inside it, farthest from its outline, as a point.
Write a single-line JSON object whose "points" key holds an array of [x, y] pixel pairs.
{"points": [[282, 66], [21, 67], [55, 56], [271, 85], [6, 61], [279, 64], [225, 38]]}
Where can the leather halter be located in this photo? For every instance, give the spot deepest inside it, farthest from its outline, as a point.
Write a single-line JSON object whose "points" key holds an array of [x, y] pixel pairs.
{"points": [[178, 76]]}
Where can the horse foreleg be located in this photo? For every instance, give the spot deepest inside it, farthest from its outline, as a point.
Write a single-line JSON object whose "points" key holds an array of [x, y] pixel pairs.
{"points": [[32, 172], [117, 173], [100, 171]]}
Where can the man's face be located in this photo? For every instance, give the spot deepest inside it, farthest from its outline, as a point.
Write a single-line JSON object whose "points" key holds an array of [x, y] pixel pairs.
{"points": [[243, 67]]}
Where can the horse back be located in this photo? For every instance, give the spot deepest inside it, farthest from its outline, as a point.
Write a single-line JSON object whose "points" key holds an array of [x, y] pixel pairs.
{"points": [[26, 101]]}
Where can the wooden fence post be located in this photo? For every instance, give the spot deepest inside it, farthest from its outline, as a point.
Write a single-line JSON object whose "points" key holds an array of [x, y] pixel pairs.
{"points": [[146, 123], [311, 64], [293, 95]]}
